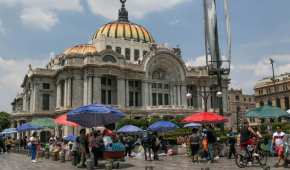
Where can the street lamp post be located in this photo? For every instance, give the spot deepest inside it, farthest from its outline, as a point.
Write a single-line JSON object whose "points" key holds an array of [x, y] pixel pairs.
{"points": [[216, 65]]}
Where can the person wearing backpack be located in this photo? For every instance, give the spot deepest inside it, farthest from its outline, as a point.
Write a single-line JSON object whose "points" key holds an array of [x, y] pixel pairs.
{"points": [[211, 138]]}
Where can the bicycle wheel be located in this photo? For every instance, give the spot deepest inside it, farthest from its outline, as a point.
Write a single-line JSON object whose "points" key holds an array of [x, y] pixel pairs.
{"points": [[263, 157], [241, 161]]}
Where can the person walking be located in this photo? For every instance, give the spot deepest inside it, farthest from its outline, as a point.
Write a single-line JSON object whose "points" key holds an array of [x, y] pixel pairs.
{"points": [[155, 144], [146, 143], [211, 139], [84, 150], [277, 143], [194, 144], [8, 143], [2, 144], [33, 147], [232, 142]]}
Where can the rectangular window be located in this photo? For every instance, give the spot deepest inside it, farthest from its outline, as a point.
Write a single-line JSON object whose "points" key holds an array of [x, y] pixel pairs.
{"points": [[103, 94], [119, 50], [108, 47], [136, 99], [136, 55], [286, 100], [109, 82], [166, 99], [269, 103], [153, 85], [131, 98], [278, 103], [159, 86], [160, 99], [166, 86], [109, 97], [154, 100], [103, 80], [45, 85], [127, 53], [237, 98], [45, 101], [131, 83]]}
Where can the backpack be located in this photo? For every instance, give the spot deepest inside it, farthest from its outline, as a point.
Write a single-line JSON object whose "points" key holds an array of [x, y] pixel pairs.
{"points": [[210, 137]]}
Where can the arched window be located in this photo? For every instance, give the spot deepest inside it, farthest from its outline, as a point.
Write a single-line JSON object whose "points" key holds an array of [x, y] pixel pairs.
{"points": [[109, 58]]}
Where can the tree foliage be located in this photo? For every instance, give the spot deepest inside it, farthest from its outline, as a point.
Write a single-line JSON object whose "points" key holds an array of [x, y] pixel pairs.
{"points": [[4, 120]]}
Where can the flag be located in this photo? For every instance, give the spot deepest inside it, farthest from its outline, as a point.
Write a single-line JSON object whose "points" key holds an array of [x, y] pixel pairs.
{"points": [[211, 29]]}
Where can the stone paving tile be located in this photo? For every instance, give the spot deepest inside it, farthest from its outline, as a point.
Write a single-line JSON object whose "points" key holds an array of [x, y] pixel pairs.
{"points": [[21, 162]]}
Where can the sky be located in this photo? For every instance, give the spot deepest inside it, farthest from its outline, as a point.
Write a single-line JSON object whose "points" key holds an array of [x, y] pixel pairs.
{"points": [[32, 31]]}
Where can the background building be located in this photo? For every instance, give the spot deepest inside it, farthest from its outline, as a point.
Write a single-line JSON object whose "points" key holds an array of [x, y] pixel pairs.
{"points": [[123, 67], [238, 104], [273, 92]]}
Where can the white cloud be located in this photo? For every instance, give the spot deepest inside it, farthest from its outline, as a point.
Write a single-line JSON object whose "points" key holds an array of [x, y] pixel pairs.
{"points": [[137, 8], [43, 14], [38, 18], [263, 67], [12, 73], [2, 29], [198, 61]]}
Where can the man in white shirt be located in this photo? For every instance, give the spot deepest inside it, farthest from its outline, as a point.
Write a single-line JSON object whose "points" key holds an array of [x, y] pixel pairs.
{"points": [[278, 141]]}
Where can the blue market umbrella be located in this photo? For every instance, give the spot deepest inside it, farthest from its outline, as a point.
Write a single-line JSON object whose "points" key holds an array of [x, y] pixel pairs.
{"points": [[27, 127], [162, 126], [95, 115], [9, 131], [129, 129], [70, 137], [192, 125]]}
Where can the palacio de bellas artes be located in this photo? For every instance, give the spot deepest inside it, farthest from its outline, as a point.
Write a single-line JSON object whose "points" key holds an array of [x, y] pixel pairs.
{"points": [[144, 84], [123, 66]]}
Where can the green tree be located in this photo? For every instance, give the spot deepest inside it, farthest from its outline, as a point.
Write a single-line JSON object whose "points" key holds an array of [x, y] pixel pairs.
{"points": [[4, 120]]}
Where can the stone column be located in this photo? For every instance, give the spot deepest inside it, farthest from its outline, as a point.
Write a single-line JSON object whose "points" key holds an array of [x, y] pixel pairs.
{"points": [[35, 100], [97, 90], [69, 93], [183, 95], [149, 94], [90, 90], [145, 93], [65, 93], [127, 93], [282, 101], [121, 93], [58, 95], [202, 97], [178, 95], [85, 96], [18, 124]]}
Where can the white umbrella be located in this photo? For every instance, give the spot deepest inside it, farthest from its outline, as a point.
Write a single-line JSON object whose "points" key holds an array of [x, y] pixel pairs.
{"points": [[192, 125]]}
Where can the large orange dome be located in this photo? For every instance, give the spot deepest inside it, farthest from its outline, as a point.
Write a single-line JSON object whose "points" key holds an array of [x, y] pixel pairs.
{"points": [[81, 49], [124, 29]]}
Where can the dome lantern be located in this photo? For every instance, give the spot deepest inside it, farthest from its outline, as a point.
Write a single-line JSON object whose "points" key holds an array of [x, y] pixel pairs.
{"points": [[123, 13], [122, 28]]}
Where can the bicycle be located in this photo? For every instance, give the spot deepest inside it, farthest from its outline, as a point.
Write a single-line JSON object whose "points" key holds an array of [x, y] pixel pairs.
{"points": [[251, 156]]}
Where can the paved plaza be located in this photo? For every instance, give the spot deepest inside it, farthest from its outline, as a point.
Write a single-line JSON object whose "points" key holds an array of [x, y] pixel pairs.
{"points": [[21, 162]]}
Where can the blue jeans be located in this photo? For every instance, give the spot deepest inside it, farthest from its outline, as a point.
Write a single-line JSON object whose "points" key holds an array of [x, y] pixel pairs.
{"points": [[33, 151], [210, 151]]}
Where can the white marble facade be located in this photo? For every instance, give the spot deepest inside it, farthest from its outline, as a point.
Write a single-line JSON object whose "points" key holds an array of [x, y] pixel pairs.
{"points": [[136, 75]]}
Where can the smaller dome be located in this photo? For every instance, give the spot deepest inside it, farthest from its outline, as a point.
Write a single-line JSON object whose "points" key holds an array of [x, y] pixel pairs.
{"points": [[81, 49]]}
